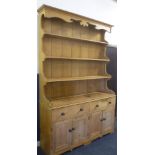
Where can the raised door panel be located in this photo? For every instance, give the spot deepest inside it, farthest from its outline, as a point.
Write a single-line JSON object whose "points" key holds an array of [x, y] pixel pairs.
{"points": [[95, 124], [107, 121], [80, 130], [62, 135]]}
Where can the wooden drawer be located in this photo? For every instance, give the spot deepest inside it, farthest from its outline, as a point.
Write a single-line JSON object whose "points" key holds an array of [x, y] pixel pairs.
{"points": [[111, 102], [70, 112], [62, 114], [98, 105], [81, 109]]}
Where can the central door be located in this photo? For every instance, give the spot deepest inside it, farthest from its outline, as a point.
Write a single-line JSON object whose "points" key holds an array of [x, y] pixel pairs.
{"points": [[80, 130]]}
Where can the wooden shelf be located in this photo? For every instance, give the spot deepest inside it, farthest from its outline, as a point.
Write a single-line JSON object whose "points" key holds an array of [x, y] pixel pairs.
{"points": [[67, 58], [79, 99], [78, 78], [77, 39]]}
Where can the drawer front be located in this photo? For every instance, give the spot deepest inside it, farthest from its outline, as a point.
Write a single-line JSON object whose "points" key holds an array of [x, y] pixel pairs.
{"points": [[80, 110], [70, 112], [62, 114], [111, 102], [98, 105]]}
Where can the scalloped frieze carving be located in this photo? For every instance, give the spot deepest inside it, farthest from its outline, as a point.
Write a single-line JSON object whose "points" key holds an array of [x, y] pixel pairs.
{"points": [[50, 12]]}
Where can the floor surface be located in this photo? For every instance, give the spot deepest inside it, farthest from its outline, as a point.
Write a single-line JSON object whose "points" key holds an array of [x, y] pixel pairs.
{"points": [[107, 145]]}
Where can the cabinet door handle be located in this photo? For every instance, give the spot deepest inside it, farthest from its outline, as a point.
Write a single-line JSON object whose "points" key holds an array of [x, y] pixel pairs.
{"points": [[70, 130], [97, 105], [109, 102], [81, 109], [62, 114]]}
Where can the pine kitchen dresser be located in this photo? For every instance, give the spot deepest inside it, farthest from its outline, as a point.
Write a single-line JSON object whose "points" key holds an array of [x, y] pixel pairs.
{"points": [[76, 105]]}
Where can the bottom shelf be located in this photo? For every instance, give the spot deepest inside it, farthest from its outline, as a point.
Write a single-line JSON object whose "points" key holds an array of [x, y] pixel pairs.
{"points": [[78, 99]]}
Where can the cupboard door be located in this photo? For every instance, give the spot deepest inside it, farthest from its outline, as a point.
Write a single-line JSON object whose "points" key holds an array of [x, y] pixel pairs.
{"points": [[107, 121], [62, 135], [95, 124], [80, 130]]}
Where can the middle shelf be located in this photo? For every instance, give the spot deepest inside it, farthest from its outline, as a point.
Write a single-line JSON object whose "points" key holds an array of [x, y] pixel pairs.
{"points": [[78, 78], [70, 58]]}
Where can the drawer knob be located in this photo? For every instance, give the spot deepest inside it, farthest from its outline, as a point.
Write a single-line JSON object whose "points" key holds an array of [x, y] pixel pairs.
{"points": [[73, 129], [70, 130], [62, 114], [81, 109], [97, 105], [109, 102], [103, 119]]}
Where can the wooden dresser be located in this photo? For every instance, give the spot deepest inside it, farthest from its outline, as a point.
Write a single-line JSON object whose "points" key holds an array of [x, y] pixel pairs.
{"points": [[76, 105]]}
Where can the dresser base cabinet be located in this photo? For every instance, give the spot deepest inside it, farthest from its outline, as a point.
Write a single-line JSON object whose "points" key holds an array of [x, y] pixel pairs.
{"points": [[69, 129], [76, 105]]}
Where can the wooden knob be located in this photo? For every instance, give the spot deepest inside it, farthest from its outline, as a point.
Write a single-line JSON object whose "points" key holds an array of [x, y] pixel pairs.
{"points": [[103, 119], [109, 102], [97, 105], [70, 130], [62, 114], [81, 109], [73, 129]]}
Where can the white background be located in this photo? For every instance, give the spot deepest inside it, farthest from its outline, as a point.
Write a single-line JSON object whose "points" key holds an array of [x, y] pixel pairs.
{"points": [[136, 86]]}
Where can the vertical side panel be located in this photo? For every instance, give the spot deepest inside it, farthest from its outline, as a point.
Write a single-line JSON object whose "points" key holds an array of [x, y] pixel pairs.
{"points": [[47, 46], [47, 68]]}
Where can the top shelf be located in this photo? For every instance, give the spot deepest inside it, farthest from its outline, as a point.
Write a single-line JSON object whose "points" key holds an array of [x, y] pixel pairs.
{"points": [[72, 38]]}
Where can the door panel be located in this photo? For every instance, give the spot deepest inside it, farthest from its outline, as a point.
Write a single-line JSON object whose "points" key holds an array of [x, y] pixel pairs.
{"points": [[80, 130], [95, 124], [62, 135], [107, 121]]}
